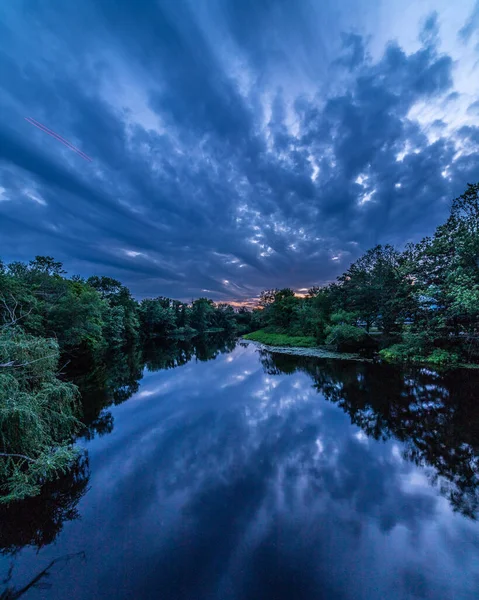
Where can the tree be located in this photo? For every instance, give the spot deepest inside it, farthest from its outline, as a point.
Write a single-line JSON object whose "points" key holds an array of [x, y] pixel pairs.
{"points": [[46, 265], [107, 287], [124, 309], [267, 297], [76, 318], [282, 312], [157, 317], [445, 269], [202, 314], [38, 415], [244, 318], [374, 288], [225, 317], [181, 314]]}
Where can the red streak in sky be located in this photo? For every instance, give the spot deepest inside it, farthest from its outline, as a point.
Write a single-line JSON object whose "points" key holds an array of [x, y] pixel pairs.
{"points": [[57, 137]]}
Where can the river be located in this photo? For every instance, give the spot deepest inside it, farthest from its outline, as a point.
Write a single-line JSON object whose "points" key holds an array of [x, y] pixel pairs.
{"points": [[221, 471]]}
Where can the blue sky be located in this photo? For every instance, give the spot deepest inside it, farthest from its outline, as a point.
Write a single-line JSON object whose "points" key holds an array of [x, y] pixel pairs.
{"points": [[235, 145]]}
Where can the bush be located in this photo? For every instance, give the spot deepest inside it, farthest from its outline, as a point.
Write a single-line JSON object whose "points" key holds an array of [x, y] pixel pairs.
{"points": [[442, 357], [349, 338], [38, 415], [414, 350], [400, 353]]}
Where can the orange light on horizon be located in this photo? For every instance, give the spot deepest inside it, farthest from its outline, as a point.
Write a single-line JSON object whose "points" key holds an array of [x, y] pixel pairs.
{"points": [[254, 302]]}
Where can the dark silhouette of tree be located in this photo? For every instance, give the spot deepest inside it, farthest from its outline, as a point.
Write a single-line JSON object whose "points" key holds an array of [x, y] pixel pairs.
{"points": [[434, 415]]}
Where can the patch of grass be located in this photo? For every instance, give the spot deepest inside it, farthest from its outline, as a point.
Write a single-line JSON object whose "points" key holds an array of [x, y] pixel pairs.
{"points": [[281, 339]]}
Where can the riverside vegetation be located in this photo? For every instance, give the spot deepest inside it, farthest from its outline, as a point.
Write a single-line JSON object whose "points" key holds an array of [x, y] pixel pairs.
{"points": [[419, 305], [47, 320]]}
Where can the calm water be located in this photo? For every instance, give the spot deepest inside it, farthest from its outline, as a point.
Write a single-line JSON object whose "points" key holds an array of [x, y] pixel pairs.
{"points": [[258, 476]]}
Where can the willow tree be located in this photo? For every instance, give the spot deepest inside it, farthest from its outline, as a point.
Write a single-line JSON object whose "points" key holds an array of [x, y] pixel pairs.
{"points": [[38, 415]]}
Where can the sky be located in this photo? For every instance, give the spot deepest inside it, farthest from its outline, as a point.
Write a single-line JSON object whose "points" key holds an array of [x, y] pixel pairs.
{"points": [[235, 145]]}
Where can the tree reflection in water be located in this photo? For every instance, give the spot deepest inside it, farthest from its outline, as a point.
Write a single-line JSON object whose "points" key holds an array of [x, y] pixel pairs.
{"points": [[434, 415], [117, 377], [37, 521], [12, 593]]}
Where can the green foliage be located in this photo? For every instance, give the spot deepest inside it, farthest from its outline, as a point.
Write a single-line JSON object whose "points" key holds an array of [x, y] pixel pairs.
{"points": [[163, 317], [400, 353], [114, 330], [38, 415], [414, 348], [224, 317], [432, 287], [415, 353], [441, 357], [376, 290], [122, 325], [43, 313], [77, 318], [99, 314], [445, 270], [157, 317], [281, 339], [244, 320], [202, 311], [348, 338], [344, 317]]}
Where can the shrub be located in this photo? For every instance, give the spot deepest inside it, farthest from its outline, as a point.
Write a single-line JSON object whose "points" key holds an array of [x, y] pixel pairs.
{"points": [[442, 357], [38, 415], [414, 350], [349, 338], [400, 353]]}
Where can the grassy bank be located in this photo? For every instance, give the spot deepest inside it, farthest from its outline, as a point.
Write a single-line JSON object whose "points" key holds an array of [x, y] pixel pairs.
{"points": [[281, 339], [291, 344]]}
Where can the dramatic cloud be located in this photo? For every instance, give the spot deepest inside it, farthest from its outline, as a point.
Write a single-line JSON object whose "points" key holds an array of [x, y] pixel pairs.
{"points": [[235, 145]]}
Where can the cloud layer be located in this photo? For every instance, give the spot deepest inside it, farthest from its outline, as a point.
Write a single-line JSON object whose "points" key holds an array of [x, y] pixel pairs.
{"points": [[235, 145]]}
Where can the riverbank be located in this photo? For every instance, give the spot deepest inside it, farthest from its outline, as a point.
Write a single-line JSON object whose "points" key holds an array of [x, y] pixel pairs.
{"points": [[316, 352], [281, 339], [307, 346]]}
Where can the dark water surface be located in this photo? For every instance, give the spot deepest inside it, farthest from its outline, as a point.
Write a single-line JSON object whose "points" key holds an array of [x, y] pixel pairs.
{"points": [[259, 476]]}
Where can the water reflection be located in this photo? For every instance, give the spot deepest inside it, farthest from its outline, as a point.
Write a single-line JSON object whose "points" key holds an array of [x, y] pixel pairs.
{"points": [[37, 522], [435, 415], [38, 581], [268, 476], [115, 379]]}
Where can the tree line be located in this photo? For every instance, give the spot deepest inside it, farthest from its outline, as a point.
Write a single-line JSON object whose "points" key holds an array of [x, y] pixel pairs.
{"points": [[90, 315], [46, 316], [419, 304]]}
